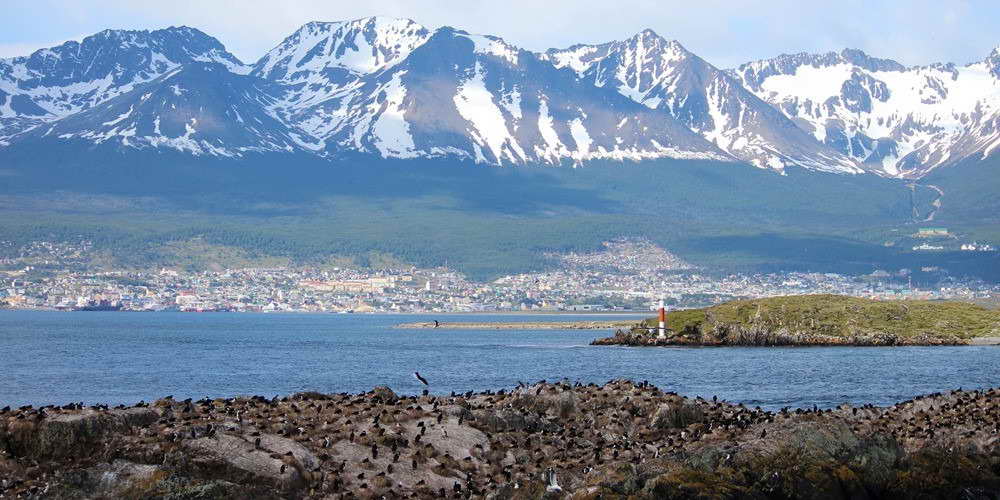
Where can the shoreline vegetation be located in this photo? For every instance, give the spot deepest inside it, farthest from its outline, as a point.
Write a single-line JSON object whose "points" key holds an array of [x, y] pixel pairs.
{"points": [[819, 320], [544, 440]]}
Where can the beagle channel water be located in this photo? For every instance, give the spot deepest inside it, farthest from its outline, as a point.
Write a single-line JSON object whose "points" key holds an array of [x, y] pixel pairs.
{"points": [[123, 358]]}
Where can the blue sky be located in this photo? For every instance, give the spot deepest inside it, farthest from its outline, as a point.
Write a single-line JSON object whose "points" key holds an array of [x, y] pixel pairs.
{"points": [[726, 33]]}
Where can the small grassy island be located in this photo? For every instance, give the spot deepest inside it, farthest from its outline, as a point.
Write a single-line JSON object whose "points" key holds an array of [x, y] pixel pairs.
{"points": [[819, 320]]}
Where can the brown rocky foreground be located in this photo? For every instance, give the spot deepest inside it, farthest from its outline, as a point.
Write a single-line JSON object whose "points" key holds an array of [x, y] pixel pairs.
{"points": [[547, 440]]}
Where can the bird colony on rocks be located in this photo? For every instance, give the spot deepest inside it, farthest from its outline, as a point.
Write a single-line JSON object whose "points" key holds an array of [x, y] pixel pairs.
{"points": [[543, 440]]}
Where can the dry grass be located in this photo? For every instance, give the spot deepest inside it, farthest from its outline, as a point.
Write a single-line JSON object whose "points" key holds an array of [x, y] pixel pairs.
{"points": [[677, 416]]}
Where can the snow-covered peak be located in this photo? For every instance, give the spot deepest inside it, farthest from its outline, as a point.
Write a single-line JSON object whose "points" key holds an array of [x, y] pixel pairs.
{"points": [[58, 81], [647, 59], [899, 121], [653, 47], [860, 59], [360, 46], [125, 52], [754, 73], [481, 99], [645, 48], [650, 38], [198, 108], [492, 45], [664, 76], [992, 61], [647, 33]]}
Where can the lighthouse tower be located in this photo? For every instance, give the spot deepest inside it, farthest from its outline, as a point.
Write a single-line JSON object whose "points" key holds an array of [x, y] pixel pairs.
{"points": [[662, 332]]}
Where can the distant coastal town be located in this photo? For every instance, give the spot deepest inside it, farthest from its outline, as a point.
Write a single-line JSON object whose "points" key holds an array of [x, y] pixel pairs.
{"points": [[626, 275]]}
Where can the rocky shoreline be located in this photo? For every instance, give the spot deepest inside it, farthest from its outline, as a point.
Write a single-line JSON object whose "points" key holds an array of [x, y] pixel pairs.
{"points": [[551, 440], [518, 325], [818, 320], [738, 335]]}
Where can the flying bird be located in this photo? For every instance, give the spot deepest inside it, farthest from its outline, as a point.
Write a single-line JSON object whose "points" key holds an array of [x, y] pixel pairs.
{"points": [[421, 379]]}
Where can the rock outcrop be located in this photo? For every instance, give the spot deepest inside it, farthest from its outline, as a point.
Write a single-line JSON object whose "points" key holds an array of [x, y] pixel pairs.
{"points": [[762, 335], [543, 440], [282, 462], [42, 436]]}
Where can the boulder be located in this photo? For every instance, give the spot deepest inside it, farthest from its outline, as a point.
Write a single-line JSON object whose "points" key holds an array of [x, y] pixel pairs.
{"points": [[69, 434], [383, 394], [236, 458], [125, 479]]}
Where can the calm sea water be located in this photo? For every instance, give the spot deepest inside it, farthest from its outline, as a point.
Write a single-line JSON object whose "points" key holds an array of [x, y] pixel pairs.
{"points": [[106, 357]]}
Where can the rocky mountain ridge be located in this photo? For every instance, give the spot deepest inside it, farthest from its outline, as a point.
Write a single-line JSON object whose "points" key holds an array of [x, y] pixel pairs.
{"points": [[896, 120], [392, 88]]}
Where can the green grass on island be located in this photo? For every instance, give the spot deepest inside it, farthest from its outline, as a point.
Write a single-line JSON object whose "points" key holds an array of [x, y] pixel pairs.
{"points": [[835, 316]]}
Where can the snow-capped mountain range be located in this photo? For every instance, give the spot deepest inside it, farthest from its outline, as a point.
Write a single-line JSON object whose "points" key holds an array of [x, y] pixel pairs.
{"points": [[395, 89], [664, 76], [57, 82], [899, 121]]}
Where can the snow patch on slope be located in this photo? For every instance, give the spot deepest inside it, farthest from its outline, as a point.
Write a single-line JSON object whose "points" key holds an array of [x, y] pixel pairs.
{"points": [[391, 131], [581, 137], [120, 117], [488, 125], [810, 82], [494, 46], [554, 148], [573, 58]]}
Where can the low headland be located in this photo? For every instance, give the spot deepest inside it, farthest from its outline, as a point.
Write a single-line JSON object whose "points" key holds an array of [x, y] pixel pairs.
{"points": [[544, 440], [819, 320], [520, 325]]}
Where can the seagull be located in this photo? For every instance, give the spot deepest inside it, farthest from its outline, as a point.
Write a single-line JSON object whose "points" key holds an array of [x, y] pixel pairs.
{"points": [[436, 324], [421, 379]]}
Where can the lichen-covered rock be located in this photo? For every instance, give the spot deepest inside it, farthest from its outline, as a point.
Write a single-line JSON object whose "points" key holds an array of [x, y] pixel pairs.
{"points": [[63, 435], [125, 479], [637, 337], [277, 460], [383, 394], [122, 475]]}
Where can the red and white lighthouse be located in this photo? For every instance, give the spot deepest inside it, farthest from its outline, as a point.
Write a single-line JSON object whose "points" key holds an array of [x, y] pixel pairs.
{"points": [[663, 321]]}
